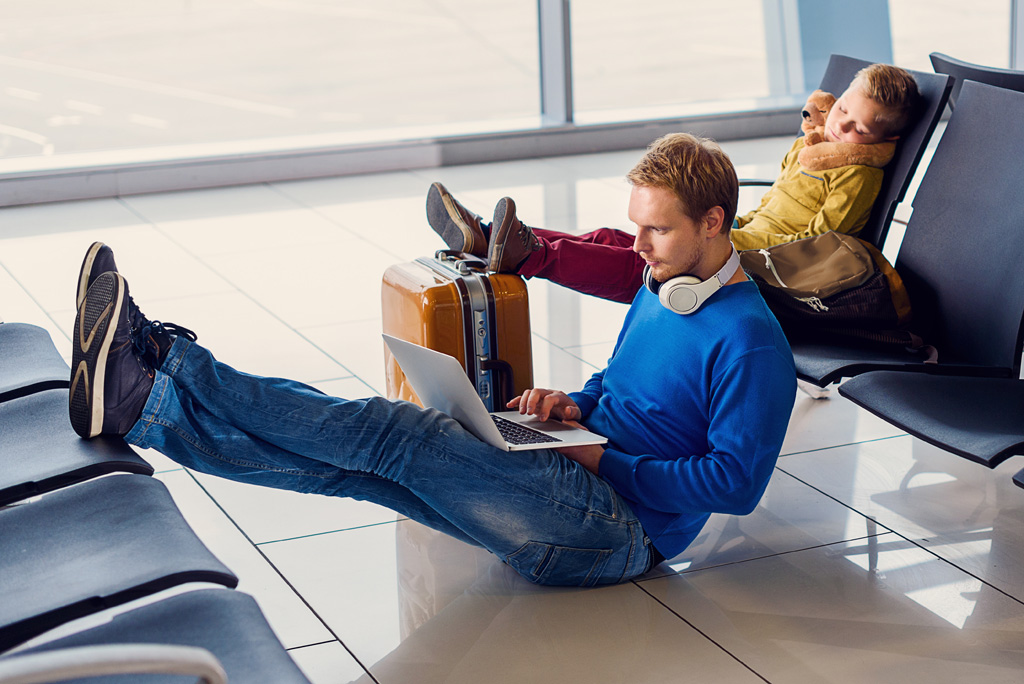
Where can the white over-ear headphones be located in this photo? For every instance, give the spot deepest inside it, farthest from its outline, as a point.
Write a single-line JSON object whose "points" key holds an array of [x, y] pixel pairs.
{"points": [[685, 294]]}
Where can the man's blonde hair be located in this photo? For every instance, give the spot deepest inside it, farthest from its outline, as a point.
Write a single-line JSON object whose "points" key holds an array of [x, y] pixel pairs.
{"points": [[893, 88], [696, 170]]}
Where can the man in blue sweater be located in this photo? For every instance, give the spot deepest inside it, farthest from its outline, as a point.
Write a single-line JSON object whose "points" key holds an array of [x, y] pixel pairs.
{"points": [[694, 401]]}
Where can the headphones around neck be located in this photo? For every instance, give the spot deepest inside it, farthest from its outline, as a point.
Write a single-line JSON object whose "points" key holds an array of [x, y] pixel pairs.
{"points": [[685, 294]]}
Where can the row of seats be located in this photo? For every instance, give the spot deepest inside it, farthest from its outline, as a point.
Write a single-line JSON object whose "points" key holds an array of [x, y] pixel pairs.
{"points": [[960, 259], [84, 529]]}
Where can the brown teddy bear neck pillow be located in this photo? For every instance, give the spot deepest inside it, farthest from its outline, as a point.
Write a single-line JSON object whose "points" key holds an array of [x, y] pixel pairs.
{"points": [[820, 154]]}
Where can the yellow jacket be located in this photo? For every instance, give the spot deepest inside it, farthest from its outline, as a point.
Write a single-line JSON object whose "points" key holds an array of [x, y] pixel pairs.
{"points": [[803, 203]]}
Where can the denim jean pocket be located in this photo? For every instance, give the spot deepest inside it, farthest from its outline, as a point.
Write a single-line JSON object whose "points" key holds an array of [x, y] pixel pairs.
{"points": [[559, 565]]}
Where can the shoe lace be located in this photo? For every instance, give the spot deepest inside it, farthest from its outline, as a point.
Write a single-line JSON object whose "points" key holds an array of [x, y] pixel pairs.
{"points": [[144, 329], [526, 236]]}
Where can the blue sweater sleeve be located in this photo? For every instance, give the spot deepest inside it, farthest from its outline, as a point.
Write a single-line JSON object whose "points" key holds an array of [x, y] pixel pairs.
{"points": [[750, 404], [588, 397]]}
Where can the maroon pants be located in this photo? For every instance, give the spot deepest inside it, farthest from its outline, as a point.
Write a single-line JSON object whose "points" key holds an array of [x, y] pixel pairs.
{"points": [[600, 263]]}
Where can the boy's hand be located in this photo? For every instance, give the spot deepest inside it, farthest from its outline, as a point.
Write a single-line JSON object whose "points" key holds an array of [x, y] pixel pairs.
{"points": [[545, 404]]}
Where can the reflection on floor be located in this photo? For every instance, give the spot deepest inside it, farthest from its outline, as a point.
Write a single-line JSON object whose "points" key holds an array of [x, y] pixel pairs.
{"points": [[871, 554]]}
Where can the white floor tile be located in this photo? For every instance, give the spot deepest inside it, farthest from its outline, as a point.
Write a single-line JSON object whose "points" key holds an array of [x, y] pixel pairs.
{"points": [[791, 516], [266, 515], [414, 605], [48, 265], [336, 282], [834, 421], [962, 511], [243, 334], [555, 368], [160, 463], [234, 220], [358, 346], [396, 228], [866, 611], [596, 354], [570, 319], [292, 621], [327, 663], [17, 306], [348, 388], [76, 221], [323, 192]]}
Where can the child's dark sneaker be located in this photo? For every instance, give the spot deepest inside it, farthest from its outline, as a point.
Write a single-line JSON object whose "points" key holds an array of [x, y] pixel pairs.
{"points": [[110, 383], [461, 229], [511, 239]]}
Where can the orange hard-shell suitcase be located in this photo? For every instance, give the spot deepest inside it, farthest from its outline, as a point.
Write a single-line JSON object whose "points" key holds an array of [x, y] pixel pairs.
{"points": [[451, 304]]}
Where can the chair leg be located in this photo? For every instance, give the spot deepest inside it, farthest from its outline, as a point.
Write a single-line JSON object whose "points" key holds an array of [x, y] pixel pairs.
{"points": [[812, 390]]}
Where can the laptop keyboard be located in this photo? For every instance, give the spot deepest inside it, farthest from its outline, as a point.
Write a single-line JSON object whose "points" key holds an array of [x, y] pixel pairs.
{"points": [[515, 433]]}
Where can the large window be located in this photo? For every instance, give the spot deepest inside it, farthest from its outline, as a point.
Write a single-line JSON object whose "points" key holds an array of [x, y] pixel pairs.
{"points": [[976, 31], [112, 74], [663, 57], [105, 84]]}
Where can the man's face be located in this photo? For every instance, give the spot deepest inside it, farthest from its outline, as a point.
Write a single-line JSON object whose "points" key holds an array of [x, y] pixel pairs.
{"points": [[668, 240], [854, 119]]}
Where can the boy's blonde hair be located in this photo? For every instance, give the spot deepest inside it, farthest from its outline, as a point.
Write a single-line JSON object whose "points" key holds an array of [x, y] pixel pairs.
{"points": [[696, 170], [893, 88]]}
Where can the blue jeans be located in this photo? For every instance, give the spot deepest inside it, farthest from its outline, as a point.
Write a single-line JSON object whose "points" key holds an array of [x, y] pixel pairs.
{"points": [[548, 518]]}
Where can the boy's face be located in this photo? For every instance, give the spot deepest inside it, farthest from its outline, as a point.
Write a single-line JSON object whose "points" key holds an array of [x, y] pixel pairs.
{"points": [[854, 119], [668, 240]]}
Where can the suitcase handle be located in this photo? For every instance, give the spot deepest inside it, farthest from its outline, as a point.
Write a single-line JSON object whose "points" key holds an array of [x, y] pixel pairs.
{"points": [[462, 262], [506, 384]]}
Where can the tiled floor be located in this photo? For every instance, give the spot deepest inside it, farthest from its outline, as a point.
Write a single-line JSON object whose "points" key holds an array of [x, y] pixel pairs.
{"points": [[871, 558]]}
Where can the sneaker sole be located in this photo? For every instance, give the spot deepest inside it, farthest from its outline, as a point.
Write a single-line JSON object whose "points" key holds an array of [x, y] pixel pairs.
{"points": [[83, 274], [94, 330], [505, 209], [442, 217]]}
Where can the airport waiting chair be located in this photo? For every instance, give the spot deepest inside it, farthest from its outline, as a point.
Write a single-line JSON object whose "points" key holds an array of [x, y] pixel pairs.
{"points": [[28, 361], [961, 71], [227, 625], [961, 254], [980, 419], [92, 546], [899, 172], [40, 452]]}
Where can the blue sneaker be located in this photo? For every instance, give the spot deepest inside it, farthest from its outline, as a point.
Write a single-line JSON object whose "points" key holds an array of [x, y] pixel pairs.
{"points": [[152, 339], [110, 382]]}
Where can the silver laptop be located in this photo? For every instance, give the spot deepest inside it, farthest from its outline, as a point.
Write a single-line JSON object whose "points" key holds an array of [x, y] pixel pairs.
{"points": [[441, 383]]}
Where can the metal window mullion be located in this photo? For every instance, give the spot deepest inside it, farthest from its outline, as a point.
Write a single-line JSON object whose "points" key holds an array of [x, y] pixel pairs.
{"points": [[553, 28], [1016, 35], [782, 44]]}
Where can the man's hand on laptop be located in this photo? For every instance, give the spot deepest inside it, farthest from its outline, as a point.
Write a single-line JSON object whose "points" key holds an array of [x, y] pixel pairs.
{"points": [[545, 404]]}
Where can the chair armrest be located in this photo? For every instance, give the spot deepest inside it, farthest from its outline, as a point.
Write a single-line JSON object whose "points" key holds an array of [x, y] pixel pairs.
{"points": [[114, 659], [744, 182]]}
